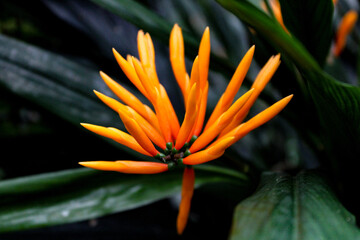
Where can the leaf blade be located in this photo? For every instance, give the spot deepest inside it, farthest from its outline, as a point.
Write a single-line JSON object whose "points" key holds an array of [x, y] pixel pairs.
{"points": [[285, 207], [311, 23], [74, 195]]}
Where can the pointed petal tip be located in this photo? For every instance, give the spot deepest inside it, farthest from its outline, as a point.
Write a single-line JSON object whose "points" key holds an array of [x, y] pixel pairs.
{"points": [[288, 98], [116, 53], [102, 74], [87, 164], [252, 49], [85, 124]]}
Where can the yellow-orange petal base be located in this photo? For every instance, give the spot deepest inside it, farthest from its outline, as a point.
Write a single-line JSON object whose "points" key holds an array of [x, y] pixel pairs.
{"points": [[155, 131]]}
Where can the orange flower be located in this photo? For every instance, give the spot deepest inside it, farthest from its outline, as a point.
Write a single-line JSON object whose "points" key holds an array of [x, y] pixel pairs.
{"points": [[276, 9], [158, 133], [346, 25]]}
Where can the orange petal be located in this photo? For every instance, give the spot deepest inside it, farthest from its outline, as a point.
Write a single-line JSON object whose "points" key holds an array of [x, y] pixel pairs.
{"points": [[346, 25], [233, 87], [149, 130], [258, 120], [136, 131], [202, 110], [129, 71], [125, 166], [110, 102], [189, 119], [118, 136], [194, 78], [209, 134], [172, 117], [129, 99], [146, 82], [276, 8], [147, 56], [264, 116], [204, 58], [259, 84], [186, 195], [210, 153], [161, 114], [177, 57]]}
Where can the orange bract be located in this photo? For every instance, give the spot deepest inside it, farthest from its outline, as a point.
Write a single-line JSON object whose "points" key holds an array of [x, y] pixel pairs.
{"points": [[124, 166], [186, 195], [346, 25], [156, 131]]}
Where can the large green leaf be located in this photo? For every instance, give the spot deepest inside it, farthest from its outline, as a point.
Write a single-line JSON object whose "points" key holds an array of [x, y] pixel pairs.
{"points": [[337, 103], [159, 27], [311, 23], [73, 195], [271, 30], [285, 207], [61, 86]]}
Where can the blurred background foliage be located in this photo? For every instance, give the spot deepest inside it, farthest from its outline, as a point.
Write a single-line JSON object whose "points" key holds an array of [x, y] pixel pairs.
{"points": [[50, 55]]}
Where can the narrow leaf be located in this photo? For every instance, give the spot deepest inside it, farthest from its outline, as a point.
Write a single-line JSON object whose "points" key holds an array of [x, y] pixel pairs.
{"points": [[311, 23], [74, 195]]}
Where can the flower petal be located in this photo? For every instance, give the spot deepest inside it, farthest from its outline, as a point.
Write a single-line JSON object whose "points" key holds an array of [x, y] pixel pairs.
{"points": [[233, 87], [116, 135], [147, 56], [204, 58], [145, 80], [177, 58], [209, 134], [189, 119], [187, 191], [259, 84], [149, 130], [202, 110], [161, 114], [128, 69], [255, 122], [125, 166], [172, 117], [346, 25], [137, 132], [213, 152], [130, 99]]}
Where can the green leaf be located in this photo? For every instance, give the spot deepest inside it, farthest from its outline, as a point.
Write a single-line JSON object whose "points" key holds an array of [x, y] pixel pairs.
{"points": [[285, 207], [74, 195], [311, 23], [59, 85], [159, 27], [272, 31], [337, 103], [338, 106]]}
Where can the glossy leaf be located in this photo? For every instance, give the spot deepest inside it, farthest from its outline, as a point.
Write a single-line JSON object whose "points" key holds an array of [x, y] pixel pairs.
{"points": [[332, 98], [79, 194], [158, 27], [59, 85], [271, 30], [285, 207], [311, 23]]}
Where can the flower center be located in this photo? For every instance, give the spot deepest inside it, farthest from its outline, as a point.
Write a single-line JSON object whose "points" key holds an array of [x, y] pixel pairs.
{"points": [[174, 157]]}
